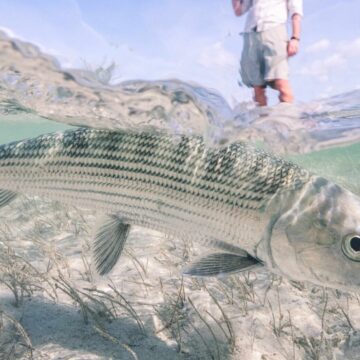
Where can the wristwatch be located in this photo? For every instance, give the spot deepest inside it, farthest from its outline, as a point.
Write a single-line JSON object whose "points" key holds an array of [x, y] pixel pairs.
{"points": [[295, 38]]}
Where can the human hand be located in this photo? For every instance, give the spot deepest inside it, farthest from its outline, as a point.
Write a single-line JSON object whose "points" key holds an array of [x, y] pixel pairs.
{"points": [[292, 47]]}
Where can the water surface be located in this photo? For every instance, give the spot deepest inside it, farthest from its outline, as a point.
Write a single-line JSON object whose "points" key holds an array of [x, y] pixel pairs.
{"points": [[37, 96]]}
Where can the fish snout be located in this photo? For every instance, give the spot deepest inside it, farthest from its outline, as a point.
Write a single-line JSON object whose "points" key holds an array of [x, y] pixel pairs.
{"points": [[318, 239]]}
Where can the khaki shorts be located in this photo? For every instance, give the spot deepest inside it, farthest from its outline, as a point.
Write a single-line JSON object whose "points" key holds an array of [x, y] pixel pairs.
{"points": [[264, 57]]}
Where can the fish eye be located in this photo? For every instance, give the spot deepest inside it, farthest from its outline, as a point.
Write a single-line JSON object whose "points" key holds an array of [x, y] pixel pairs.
{"points": [[351, 247]]}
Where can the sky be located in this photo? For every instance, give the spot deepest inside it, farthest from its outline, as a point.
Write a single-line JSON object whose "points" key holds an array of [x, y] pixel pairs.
{"points": [[194, 41]]}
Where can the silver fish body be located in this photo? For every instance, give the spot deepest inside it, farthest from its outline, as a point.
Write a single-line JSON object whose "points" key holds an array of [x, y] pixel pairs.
{"points": [[236, 198]]}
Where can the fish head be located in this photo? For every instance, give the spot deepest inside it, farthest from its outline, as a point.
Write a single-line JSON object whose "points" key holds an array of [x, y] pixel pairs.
{"points": [[318, 238]]}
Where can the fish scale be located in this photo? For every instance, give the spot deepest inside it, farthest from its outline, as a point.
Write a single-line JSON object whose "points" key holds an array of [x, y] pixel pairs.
{"points": [[166, 183]]}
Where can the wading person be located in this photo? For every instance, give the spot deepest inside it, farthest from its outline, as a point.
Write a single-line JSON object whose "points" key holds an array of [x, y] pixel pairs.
{"points": [[264, 59]]}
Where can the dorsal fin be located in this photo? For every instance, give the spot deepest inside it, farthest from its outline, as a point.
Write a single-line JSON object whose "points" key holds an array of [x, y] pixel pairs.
{"points": [[109, 243]]}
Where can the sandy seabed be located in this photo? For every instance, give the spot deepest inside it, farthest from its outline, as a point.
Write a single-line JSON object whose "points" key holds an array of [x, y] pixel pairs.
{"points": [[54, 306]]}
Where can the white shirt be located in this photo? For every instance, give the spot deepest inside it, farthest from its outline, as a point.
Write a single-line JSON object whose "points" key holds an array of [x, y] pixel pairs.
{"points": [[265, 14]]}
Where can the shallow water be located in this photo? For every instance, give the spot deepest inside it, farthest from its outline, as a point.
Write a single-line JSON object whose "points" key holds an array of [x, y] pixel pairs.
{"points": [[37, 96]]}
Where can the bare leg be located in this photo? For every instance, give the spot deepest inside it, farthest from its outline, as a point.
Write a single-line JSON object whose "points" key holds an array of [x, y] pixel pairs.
{"points": [[259, 95], [283, 86]]}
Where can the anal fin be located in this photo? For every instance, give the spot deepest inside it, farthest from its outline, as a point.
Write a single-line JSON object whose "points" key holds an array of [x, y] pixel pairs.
{"points": [[109, 242], [220, 264], [6, 196]]}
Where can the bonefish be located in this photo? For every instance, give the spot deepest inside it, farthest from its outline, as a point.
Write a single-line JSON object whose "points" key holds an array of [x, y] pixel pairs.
{"points": [[251, 207]]}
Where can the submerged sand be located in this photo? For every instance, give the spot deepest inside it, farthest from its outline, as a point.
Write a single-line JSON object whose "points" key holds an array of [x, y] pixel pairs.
{"points": [[145, 309]]}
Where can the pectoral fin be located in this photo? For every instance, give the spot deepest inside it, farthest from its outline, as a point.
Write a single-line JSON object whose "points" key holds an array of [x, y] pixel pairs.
{"points": [[109, 243], [220, 263], [6, 196]]}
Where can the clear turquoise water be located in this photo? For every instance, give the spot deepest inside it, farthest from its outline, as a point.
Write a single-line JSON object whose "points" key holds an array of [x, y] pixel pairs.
{"points": [[13, 128], [340, 164]]}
